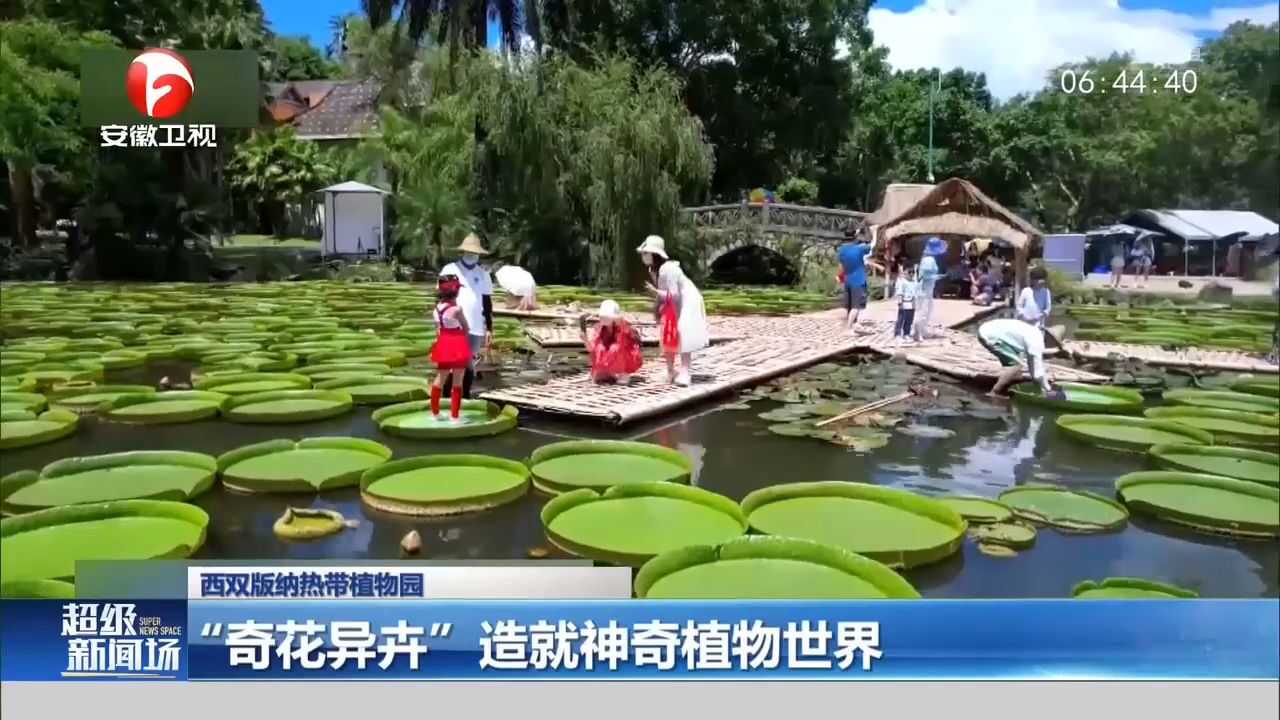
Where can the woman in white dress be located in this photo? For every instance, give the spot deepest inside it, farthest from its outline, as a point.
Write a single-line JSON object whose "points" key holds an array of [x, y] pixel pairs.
{"points": [[680, 310]]}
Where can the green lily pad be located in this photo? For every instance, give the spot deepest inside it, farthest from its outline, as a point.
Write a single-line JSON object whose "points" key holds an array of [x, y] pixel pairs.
{"points": [[1114, 588], [309, 465], [1223, 400], [927, 431], [250, 383], [286, 406], [1207, 503], [793, 429], [633, 522], [755, 567], [1129, 434], [1067, 510], [46, 544], [138, 475], [1239, 463], [601, 464], [24, 429], [1009, 534], [476, 418], [379, 390], [996, 550], [38, 589], [22, 401], [896, 527], [173, 406], [976, 509], [1264, 387], [1082, 398], [1229, 427], [431, 485], [304, 524], [334, 371], [787, 414], [85, 399]]}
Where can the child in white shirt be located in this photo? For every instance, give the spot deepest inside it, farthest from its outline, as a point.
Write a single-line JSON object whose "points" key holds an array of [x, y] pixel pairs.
{"points": [[905, 290]]}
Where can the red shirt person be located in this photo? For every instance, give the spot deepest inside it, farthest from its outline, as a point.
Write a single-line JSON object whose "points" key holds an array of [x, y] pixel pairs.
{"points": [[614, 346]]}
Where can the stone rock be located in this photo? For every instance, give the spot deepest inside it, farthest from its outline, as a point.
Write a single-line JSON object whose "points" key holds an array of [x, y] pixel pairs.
{"points": [[1185, 284], [1215, 292], [411, 544]]}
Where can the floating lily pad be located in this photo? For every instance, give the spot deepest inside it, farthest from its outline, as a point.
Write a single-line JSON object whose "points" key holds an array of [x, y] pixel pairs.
{"points": [[334, 371], [896, 527], [19, 428], [1269, 387], [38, 589], [85, 399], [976, 509], [138, 475], [1067, 510], [996, 550], [476, 418], [46, 544], [1079, 397], [1239, 463], [787, 413], [303, 524], [1114, 588], [1207, 503], [755, 567], [380, 389], [1229, 427], [287, 406], [250, 383], [600, 464], [173, 406], [793, 429], [359, 356], [309, 465], [927, 431], [1129, 434], [444, 484], [1009, 534], [1223, 400], [22, 401], [633, 522]]}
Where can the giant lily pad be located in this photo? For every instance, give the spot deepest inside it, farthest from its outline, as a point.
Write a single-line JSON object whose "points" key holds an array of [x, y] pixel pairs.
{"points": [[1079, 397], [22, 401], [1239, 463], [174, 406], [303, 524], [1264, 387], [248, 383], [977, 509], [896, 527], [1069, 510], [380, 356], [476, 418], [1229, 427], [46, 544], [381, 389], [286, 406], [85, 399], [334, 371], [1129, 434], [138, 475], [1204, 502], [601, 464], [309, 465], [757, 567], [444, 484], [1115, 588], [1007, 534], [19, 428], [631, 523], [1223, 400], [38, 589]]}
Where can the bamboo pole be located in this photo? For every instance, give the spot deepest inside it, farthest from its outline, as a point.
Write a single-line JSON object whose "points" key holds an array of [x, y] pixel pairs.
{"points": [[865, 409]]}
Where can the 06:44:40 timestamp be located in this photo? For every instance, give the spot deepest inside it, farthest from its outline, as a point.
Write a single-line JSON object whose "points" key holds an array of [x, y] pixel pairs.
{"points": [[1129, 82]]}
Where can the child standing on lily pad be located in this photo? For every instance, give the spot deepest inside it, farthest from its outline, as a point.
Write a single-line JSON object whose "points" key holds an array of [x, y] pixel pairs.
{"points": [[452, 349]]}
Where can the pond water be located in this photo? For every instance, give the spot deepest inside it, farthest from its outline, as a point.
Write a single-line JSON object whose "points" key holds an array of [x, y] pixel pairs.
{"points": [[733, 453]]}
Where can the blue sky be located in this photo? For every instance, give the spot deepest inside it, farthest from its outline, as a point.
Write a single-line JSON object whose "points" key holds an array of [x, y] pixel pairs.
{"points": [[1015, 42]]}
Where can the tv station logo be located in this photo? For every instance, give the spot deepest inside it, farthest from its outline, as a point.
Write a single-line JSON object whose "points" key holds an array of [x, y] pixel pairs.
{"points": [[159, 83]]}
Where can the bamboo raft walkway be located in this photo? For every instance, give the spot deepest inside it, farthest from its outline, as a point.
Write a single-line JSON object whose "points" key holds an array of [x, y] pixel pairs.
{"points": [[1193, 358]]}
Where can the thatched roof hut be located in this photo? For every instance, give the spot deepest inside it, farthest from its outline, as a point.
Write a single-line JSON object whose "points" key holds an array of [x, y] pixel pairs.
{"points": [[957, 207], [898, 198]]}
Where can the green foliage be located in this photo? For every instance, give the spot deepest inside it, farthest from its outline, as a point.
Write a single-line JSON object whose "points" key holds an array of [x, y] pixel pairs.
{"points": [[798, 191], [291, 57], [275, 168]]}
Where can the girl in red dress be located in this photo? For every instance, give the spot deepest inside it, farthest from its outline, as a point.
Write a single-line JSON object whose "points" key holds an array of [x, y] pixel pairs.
{"points": [[614, 346], [451, 351]]}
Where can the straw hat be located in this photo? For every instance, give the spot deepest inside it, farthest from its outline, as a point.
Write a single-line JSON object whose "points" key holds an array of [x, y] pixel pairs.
{"points": [[471, 244], [609, 310], [654, 245]]}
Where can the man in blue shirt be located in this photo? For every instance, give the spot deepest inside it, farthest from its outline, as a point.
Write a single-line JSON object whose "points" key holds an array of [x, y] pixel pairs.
{"points": [[852, 255]]}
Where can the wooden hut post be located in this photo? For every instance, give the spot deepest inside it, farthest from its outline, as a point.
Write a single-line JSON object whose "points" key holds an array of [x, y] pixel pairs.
{"points": [[1020, 256]]}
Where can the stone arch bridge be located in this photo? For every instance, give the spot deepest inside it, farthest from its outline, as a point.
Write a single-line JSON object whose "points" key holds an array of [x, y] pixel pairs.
{"points": [[805, 235]]}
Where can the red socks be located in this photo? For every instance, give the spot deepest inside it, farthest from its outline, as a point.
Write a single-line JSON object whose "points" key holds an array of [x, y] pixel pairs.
{"points": [[435, 399], [455, 402]]}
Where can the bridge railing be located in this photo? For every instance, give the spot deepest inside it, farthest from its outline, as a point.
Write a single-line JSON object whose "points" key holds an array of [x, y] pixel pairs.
{"points": [[814, 222]]}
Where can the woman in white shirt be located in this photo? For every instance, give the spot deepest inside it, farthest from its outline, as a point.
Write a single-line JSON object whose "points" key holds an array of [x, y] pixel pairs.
{"points": [[681, 311], [1012, 341], [1035, 302]]}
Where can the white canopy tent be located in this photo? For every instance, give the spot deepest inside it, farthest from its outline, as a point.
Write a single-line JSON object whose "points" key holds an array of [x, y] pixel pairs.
{"points": [[353, 215]]}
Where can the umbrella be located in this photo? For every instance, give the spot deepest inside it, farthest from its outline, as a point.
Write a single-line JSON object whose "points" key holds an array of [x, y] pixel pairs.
{"points": [[515, 280]]}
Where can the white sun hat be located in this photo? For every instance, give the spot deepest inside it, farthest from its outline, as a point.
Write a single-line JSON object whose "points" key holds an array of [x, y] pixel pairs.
{"points": [[609, 310], [654, 245]]}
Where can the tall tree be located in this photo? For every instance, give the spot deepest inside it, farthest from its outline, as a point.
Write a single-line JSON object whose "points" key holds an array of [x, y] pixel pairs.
{"points": [[292, 57], [461, 24]]}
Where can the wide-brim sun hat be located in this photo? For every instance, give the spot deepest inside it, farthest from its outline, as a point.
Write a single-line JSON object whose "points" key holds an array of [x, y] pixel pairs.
{"points": [[471, 244], [609, 310], [935, 246], [654, 245]]}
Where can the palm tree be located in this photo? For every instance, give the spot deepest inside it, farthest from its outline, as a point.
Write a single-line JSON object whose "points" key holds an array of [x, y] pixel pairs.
{"points": [[462, 23]]}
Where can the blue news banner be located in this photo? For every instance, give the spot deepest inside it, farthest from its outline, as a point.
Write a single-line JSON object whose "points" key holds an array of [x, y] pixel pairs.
{"points": [[438, 639]]}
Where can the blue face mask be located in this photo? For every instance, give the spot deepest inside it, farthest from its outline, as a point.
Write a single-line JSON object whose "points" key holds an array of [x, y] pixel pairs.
{"points": [[470, 259]]}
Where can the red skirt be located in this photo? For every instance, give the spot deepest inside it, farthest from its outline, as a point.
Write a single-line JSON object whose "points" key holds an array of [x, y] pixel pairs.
{"points": [[622, 357], [452, 349]]}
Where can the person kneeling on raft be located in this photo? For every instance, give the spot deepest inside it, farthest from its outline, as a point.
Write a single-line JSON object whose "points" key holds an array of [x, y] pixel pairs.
{"points": [[614, 345], [1011, 341]]}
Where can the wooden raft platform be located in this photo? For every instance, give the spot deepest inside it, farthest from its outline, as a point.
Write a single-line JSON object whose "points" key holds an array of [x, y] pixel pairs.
{"points": [[1188, 357], [556, 336]]}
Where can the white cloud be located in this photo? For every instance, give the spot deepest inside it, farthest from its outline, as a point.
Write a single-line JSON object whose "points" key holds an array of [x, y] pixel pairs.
{"points": [[1016, 42]]}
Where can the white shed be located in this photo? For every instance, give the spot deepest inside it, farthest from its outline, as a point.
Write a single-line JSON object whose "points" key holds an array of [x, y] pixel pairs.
{"points": [[353, 220]]}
